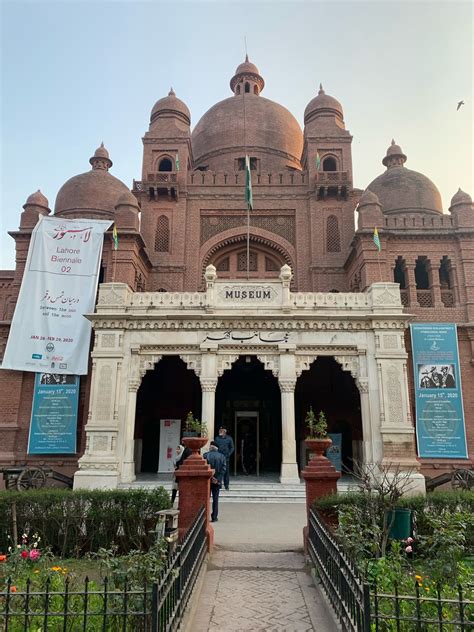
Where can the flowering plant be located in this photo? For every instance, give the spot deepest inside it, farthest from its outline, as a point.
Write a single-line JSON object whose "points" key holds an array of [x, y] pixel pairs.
{"points": [[317, 428]]}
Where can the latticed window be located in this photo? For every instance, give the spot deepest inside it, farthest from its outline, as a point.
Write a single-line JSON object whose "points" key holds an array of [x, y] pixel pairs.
{"points": [[333, 238], [162, 235], [223, 265], [242, 262]]}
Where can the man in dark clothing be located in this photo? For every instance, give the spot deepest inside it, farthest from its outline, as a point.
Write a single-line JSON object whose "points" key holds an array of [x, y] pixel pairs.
{"points": [[225, 446], [182, 454], [218, 463]]}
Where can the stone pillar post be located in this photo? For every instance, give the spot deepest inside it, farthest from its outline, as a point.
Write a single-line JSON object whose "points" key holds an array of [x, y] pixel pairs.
{"points": [[128, 465], [320, 477], [194, 480], [208, 379], [289, 467]]}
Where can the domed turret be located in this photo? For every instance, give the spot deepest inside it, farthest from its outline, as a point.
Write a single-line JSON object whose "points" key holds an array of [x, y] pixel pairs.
{"points": [[368, 198], [323, 105], [171, 107], [37, 199], [92, 194], [460, 197], [247, 79], [401, 190]]}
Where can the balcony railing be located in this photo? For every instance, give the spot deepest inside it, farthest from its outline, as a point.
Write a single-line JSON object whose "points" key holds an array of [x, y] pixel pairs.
{"points": [[447, 298], [162, 176], [332, 177], [424, 298], [405, 298]]}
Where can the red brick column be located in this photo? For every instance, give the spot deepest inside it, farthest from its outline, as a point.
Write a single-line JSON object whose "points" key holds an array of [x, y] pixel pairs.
{"points": [[194, 480], [320, 477]]}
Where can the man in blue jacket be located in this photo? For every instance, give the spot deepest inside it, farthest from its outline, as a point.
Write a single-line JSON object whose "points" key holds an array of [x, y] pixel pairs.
{"points": [[217, 461], [226, 447]]}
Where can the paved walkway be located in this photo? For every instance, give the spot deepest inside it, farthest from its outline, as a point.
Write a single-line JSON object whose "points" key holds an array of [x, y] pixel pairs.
{"points": [[262, 584]]}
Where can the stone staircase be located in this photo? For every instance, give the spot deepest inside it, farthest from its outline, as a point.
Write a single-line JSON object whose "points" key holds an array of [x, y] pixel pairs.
{"points": [[243, 489]]}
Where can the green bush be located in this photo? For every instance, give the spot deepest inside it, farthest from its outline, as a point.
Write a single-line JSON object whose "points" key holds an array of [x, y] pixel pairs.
{"points": [[72, 523]]}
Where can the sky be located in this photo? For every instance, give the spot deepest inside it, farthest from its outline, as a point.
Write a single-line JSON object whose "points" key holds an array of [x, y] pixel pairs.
{"points": [[74, 74]]}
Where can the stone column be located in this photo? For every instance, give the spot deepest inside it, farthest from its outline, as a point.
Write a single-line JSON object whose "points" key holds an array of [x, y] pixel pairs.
{"points": [[208, 388], [411, 283], [128, 464], [289, 467]]}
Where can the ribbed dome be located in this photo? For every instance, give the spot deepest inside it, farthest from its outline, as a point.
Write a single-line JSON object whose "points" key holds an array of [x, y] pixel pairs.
{"points": [[171, 106], [461, 197], [95, 190], [37, 199], [400, 189], [269, 126], [321, 105]]}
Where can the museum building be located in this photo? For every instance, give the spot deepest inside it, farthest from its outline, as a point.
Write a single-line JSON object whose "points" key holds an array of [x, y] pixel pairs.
{"points": [[249, 326]]}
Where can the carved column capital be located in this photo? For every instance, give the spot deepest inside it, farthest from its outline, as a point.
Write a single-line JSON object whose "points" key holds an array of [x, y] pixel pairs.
{"points": [[134, 385], [287, 386], [208, 384]]}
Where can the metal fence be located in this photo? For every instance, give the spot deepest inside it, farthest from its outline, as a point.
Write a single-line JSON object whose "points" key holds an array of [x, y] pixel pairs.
{"points": [[339, 577], [360, 607], [154, 607]]}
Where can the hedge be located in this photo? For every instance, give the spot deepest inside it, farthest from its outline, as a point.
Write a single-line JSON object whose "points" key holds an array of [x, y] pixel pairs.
{"points": [[76, 522]]}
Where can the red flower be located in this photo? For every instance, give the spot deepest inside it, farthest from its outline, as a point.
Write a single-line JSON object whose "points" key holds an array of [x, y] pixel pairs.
{"points": [[24, 554], [3, 558]]}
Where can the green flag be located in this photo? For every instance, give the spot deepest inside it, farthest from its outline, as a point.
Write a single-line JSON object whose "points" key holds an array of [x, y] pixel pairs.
{"points": [[115, 237], [176, 162], [377, 240], [248, 184], [318, 161]]}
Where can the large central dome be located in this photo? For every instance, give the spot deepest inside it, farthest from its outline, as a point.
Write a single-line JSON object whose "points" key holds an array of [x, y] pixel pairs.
{"points": [[248, 121]]}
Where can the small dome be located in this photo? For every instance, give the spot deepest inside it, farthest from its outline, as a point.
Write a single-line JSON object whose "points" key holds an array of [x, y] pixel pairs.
{"points": [[461, 198], [368, 197], [37, 199], [402, 190], [394, 155], [101, 152], [247, 70], [247, 67], [127, 199], [171, 106], [95, 190], [321, 105]]}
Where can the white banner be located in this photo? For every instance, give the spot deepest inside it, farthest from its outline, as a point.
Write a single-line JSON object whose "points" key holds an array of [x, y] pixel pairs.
{"points": [[169, 440], [49, 333]]}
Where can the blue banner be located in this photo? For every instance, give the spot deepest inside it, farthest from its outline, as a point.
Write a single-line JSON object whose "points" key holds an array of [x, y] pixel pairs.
{"points": [[54, 414], [333, 453], [440, 427]]}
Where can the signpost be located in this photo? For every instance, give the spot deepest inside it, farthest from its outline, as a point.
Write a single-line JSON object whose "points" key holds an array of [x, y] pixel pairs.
{"points": [[440, 426]]}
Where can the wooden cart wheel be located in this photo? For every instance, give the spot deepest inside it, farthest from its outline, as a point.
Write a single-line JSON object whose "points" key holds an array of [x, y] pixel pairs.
{"points": [[31, 478], [462, 479]]}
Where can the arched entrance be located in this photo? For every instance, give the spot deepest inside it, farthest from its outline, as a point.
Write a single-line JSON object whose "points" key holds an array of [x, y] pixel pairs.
{"points": [[248, 403], [168, 392], [325, 386]]}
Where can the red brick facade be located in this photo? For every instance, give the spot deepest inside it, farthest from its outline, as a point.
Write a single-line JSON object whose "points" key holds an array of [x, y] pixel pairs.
{"points": [[188, 210]]}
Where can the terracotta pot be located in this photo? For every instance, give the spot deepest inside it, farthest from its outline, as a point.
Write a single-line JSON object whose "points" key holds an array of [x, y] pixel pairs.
{"points": [[194, 443], [318, 446]]}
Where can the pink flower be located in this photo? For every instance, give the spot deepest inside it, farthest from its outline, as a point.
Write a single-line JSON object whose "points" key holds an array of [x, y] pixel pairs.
{"points": [[24, 554], [408, 549], [34, 554], [409, 540]]}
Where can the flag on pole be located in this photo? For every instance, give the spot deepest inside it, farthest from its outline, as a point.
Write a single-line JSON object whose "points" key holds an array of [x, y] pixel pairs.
{"points": [[377, 240], [248, 185], [318, 161], [115, 237], [176, 162]]}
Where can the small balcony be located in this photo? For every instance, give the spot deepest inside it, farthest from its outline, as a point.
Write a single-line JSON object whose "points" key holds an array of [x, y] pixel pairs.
{"points": [[447, 298], [332, 177], [424, 298], [158, 186]]}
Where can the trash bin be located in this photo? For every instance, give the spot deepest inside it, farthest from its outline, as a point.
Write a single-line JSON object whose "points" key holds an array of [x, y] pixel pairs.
{"points": [[401, 527]]}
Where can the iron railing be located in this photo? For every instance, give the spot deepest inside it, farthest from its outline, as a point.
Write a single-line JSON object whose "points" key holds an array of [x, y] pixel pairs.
{"points": [[360, 607], [339, 577], [155, 607]]}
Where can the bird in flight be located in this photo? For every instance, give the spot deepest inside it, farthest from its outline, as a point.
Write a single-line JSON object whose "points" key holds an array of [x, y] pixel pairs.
{"points": [[459, 105]]}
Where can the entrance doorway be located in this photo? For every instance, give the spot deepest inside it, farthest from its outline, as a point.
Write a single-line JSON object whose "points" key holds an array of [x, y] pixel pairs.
{"points": [[168, 392], [328, 388], [248, 404]]}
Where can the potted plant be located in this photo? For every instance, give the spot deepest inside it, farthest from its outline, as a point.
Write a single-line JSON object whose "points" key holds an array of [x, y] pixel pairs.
{"points": [[317, 438], [195, 433]]}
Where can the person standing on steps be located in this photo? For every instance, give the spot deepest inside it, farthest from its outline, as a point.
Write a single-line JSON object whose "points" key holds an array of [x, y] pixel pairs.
{"points": [[218, 463], [225, 446]]}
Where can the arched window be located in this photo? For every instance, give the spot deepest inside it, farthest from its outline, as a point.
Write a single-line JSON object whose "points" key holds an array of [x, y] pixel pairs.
{"points": [[329, 164], [423, 282], [400, 273], [162, 234], [333, 238], [255, 89], [238, 89], [247, 86], [446, 282], [165, 165]]}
